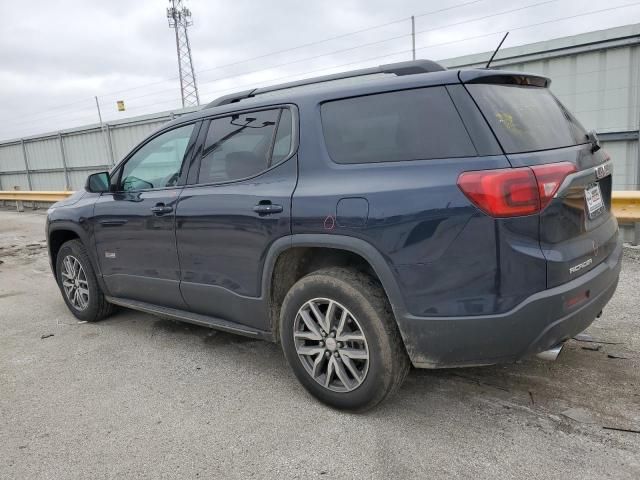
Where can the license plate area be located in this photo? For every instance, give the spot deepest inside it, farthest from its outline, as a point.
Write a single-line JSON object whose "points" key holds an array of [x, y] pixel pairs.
{"points": [[595, 202]]}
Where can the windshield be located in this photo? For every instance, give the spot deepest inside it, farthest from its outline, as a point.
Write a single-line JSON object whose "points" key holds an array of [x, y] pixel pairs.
{"points": [[527, 119]]}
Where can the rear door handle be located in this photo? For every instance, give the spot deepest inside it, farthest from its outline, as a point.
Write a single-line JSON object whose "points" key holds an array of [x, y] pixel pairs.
{"points": [[161, 209], [267, 208]]}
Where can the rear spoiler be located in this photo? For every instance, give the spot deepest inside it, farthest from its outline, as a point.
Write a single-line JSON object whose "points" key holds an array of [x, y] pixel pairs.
{"points": [[503, 78]]}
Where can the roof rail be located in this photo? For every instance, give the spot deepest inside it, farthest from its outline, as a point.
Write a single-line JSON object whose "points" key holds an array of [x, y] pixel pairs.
{"points": [[400, 69]]}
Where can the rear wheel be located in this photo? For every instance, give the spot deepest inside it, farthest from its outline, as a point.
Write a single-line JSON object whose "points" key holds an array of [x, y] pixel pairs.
{"points": [[341, 340], [78, 284]]}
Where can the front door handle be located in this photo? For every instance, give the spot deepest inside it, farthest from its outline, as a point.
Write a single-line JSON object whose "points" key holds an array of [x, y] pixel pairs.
{"points": [[161, 209], [267, 208], [112, 223]]}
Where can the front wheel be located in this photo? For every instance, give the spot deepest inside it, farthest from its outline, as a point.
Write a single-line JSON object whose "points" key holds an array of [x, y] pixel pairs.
{"points": [[341, 340], [78, 283]]}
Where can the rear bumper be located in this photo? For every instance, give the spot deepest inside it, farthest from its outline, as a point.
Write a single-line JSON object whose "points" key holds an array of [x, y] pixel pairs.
{"points": [[537, 324]]}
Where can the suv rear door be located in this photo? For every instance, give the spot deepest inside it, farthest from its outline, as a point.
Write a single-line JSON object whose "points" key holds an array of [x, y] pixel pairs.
{"points": [[577, 229], [237, 203]]}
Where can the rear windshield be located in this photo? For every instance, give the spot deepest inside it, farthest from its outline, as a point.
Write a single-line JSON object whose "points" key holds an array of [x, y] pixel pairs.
{"points": [[526, 119], [416, 124]]}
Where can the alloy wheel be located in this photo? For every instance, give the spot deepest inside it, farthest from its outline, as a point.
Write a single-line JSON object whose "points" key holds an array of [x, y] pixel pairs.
{"points": [[74, 282], [331, 345]]}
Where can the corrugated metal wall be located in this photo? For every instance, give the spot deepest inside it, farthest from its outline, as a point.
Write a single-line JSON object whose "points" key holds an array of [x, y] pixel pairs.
{"points": [[597, 75], [63, 160], [124, 139]]}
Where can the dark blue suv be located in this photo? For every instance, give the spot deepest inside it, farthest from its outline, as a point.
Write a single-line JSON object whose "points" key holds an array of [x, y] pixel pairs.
{"points": [[368, 221]]}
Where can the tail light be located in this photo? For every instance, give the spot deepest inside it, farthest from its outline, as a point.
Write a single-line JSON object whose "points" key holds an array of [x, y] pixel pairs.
{"points": [[512, 192]]}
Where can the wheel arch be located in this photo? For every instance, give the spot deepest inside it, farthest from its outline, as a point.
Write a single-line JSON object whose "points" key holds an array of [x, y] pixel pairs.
{"points": [[56, 237], [348, 247], [61, 232]]}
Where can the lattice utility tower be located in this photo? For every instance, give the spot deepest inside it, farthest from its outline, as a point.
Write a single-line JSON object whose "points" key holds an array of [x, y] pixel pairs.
{"points": [[180, 20]]}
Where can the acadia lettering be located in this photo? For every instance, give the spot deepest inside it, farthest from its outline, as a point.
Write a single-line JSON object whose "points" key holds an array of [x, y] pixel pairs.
{"points": [[580, 266]]}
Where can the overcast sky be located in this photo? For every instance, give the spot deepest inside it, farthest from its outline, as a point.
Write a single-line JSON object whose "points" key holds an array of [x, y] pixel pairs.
{"points": [[56, 55]]}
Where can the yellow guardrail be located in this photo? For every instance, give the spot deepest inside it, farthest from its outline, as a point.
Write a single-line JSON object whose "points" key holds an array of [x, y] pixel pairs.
{"points": [[34, 195], [625, 204]]}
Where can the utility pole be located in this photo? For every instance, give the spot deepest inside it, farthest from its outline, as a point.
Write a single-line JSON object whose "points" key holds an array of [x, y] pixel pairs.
{"points": [[179, 18], [413, 36], [105, 133], [99, 112]]}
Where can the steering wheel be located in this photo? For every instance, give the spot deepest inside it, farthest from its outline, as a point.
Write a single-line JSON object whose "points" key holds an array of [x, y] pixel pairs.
{"points": [[131, 183], [173, 179]]}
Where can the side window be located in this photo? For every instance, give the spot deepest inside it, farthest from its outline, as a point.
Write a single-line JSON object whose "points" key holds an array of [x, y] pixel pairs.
{"points": [[157, 164], [240, 146], [390, 127], [282, 145]]}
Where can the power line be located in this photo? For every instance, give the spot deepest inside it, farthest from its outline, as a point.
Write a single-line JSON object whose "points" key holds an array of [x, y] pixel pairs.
{"points": [[336, 37], [525, 7], [527, 26], [377, 42], [406, 35], [341, 50], [403, 51], [48, 117], [310, 44], [433, 45], [404, 19], [421, 32], [58, 107]]}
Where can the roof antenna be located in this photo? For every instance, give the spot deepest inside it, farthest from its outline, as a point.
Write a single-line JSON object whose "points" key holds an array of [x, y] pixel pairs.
{"points": [[496, 50]]}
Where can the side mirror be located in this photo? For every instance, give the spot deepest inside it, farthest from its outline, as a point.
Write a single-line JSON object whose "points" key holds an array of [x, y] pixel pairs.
{"points": [[98, 183], [593, 139]]}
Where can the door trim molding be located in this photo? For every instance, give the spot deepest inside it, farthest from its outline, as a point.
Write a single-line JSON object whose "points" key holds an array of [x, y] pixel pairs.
{"points": [[195, 318]]}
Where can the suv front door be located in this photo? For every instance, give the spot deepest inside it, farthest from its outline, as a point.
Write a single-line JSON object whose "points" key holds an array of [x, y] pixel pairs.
{"points": [[238, 204], [134, 227]]}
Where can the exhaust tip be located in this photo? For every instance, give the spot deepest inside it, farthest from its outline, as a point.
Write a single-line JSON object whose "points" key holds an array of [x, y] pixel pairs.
{"points": [[551, 354]]}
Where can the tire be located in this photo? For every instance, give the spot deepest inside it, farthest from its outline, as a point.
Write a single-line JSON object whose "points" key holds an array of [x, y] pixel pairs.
{"points": [[90, 307], [369, 317]]}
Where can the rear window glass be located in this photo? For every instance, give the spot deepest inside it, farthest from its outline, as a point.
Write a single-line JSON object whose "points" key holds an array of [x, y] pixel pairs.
{"points": [[526, 119], [390, 127]]}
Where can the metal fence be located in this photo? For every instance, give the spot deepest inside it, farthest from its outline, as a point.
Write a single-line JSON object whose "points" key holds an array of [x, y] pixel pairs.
{"points": [[63, 160]]}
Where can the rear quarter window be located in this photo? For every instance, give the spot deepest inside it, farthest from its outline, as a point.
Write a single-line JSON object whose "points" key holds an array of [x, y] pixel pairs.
{"points": [[527, 119], [416, 124]]}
